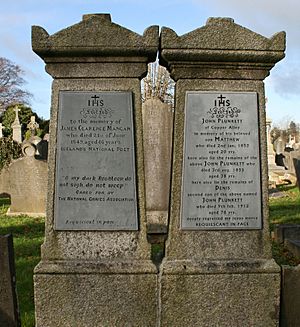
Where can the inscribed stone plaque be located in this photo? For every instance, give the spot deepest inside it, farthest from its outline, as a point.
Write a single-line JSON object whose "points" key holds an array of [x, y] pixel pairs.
{"points": [[95, 182], [221, 169]]}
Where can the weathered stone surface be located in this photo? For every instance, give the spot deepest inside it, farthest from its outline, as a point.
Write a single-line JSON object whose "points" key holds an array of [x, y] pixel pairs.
{"points": [[26, 182], [87, 294], [290, 315], [9, 314], [95, 35], [217, 48], [223, 294], [112, 50]]}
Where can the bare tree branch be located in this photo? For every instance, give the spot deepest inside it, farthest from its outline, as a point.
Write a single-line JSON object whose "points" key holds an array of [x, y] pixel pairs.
{"points": [[158, 83], [11, 82]]}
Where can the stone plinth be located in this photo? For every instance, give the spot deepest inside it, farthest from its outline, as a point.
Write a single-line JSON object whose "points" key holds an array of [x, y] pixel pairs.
{"points": [[219, 274], [93, 275]]}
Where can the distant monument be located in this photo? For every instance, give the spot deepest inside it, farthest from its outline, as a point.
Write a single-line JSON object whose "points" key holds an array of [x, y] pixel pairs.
{"points": [[32, 126], [1, 129], [16, 127]]}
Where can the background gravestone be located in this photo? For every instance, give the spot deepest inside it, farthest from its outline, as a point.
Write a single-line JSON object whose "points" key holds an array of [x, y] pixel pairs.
{"points": [[95, 268], [289, 315], [25, 180], [9, 314], [218, 269], [157, 136]]}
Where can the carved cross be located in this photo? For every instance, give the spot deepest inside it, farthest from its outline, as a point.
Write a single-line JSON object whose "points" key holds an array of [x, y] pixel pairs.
{"points": [[16, 110], [33, 125]]}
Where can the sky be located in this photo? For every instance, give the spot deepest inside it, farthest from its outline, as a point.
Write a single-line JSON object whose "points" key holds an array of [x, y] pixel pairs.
{"points": [[265, 17]]}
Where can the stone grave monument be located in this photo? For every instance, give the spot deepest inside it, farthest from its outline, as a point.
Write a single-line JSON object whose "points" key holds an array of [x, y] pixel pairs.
{"points": [[95, 268], [32, 126], [218, 269]]}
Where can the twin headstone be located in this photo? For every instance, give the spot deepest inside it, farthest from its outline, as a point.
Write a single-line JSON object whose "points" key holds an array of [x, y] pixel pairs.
{"points": [[96, 268]]}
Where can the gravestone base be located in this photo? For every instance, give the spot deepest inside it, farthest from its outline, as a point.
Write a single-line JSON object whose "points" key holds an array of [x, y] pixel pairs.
{"points": [[224, 293], [102, 294], [31, 214]]}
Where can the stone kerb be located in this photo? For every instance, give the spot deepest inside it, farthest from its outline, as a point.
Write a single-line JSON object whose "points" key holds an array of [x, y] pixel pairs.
{"points": [[97, 66], [221, 63]]}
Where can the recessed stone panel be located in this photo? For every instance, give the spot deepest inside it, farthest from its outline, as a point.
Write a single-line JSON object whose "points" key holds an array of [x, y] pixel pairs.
{"points": [[95, 183], [221, 170]]}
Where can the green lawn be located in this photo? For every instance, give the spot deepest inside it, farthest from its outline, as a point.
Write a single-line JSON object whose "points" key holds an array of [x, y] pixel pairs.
{"points": [[285, 210], [28, 236]]}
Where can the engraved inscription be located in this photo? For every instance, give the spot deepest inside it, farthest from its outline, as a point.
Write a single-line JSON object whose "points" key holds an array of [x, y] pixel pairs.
{"points": [[221, 168], [95, 182]]}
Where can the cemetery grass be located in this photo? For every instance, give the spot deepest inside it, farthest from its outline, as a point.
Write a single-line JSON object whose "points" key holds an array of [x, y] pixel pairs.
{"points": [[28, 234], [285, 210]]}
